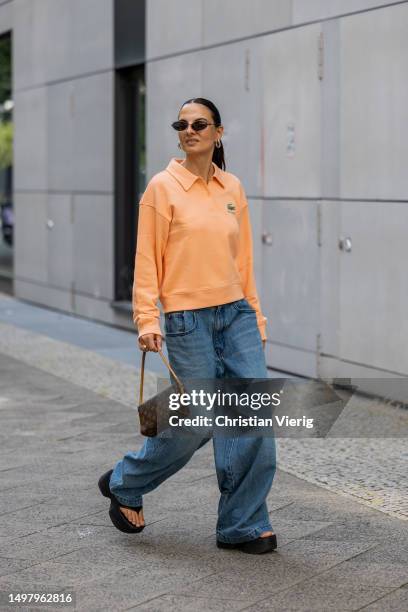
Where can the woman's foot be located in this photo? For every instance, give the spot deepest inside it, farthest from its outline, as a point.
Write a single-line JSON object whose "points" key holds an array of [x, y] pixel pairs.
{"points": [[128, 520], [136, 518], [265, 534]]}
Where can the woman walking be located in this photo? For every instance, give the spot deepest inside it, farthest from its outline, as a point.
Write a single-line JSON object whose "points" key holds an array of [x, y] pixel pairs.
{"points": [[194, 253]]}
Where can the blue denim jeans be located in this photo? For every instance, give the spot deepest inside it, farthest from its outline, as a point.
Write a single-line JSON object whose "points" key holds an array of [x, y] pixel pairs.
{"points": [[213, 342]]}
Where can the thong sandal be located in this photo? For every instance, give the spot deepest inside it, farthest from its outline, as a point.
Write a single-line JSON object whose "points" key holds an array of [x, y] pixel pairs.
{"points": [[258, 546], [117, 517]]}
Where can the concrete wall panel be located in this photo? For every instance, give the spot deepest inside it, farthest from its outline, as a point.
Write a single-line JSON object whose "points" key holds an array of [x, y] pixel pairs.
{"points": [[6, 17], [291, 113], [374, 286], [173, 27], [309, 10], [231, 19], [232, 79], [30, 116], [290, 286], [31, 237], [93, 245], [41, 294], [30, 32], [93, 119], [374, 102], [60, 135], [56, 39], [60, 255]]}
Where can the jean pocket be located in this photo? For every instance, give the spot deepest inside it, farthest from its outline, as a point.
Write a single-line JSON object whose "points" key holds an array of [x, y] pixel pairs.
{"points": [[180, 322], [243, 305]]}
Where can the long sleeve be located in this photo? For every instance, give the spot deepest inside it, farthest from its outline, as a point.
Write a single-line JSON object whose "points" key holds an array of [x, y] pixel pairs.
{"points": [[152, 234], [246, 263]]}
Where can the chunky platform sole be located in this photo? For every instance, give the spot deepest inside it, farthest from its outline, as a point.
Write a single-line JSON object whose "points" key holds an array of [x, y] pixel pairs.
{"points": [[117, 517], [259, 546]]}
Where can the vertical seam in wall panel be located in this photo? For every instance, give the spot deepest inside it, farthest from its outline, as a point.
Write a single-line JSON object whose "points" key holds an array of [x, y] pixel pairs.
{"points": [[291, 12], [202, 22]]}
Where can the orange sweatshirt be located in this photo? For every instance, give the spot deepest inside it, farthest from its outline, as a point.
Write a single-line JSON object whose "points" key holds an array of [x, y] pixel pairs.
{"points": [[194, 246]]}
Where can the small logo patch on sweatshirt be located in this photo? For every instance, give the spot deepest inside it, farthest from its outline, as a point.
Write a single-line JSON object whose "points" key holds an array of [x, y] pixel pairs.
{"points": [[231, 207]]}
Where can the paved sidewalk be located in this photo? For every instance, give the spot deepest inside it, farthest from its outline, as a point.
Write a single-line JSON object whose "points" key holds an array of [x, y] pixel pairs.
{"points": [[103, 359], [68, 413]]}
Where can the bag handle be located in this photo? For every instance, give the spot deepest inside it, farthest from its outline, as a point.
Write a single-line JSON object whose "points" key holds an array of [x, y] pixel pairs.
{"points": [[180, 384]]}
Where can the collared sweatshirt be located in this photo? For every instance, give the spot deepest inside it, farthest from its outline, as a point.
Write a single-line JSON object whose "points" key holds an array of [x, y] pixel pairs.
{"points": [[194, 246]]}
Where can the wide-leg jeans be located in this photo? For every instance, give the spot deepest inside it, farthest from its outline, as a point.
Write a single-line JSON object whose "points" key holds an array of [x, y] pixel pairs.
{"points": [[213, 342]]}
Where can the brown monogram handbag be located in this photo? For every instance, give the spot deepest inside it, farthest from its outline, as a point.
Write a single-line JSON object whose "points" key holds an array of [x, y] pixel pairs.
{"points": [[154, 413]]}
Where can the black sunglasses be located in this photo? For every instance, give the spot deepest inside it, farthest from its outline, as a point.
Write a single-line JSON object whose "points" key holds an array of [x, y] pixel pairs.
{"points": [[197, 125]]}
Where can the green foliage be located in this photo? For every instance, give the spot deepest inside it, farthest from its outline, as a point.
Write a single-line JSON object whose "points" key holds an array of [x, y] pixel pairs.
{"points": [[6, 144]]}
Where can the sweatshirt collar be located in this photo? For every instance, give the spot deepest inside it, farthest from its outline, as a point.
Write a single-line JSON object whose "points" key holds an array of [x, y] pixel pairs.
{"points": [[187, 178]]}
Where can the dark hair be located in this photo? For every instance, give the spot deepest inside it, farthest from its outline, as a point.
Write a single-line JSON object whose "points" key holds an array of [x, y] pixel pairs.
{"points": [[218, 154]]}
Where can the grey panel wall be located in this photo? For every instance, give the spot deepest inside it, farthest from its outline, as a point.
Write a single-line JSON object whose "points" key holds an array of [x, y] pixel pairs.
{"points": [[374, 103], [56, 39], [374, 286], [291, 113], [309, 10], [80, 133], [93, 245], [63, 152], [290, 283], [232, 19], [173, 27], [6, 16], [233, 80], [30, 115], [31, 239], [60, 240]]}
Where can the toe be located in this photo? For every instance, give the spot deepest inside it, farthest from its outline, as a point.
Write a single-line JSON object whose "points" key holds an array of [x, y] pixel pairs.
{"points": [[133, 517], [129, 515]]}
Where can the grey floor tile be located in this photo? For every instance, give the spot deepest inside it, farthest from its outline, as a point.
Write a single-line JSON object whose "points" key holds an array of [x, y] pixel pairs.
{"points": [[396, 601], [370, 573], [320, 595], [10, 565], [182, 603]]}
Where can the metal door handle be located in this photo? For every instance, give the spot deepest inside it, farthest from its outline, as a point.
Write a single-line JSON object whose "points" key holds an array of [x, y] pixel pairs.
{"points": [[345, 244], [267, 238]]}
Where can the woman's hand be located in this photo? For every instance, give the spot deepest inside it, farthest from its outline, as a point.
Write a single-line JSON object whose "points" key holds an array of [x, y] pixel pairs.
{"points": [[263, 344], [150, 342]]}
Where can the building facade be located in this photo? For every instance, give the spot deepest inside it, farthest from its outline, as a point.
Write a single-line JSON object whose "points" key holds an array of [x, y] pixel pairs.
{"points": [[313, 96]]}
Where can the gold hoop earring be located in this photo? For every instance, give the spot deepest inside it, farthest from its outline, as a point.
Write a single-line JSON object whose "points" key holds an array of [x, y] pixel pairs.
{"points": [[218, 144]]}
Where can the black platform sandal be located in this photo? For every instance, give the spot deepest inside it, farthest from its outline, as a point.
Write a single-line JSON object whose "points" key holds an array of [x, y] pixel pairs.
{"points": [[253, 547], [117, 517]]}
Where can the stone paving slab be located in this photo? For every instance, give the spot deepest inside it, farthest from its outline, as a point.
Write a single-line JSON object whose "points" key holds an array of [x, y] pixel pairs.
{"points": [[392, 602], [184, 603], [322, 595]]}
